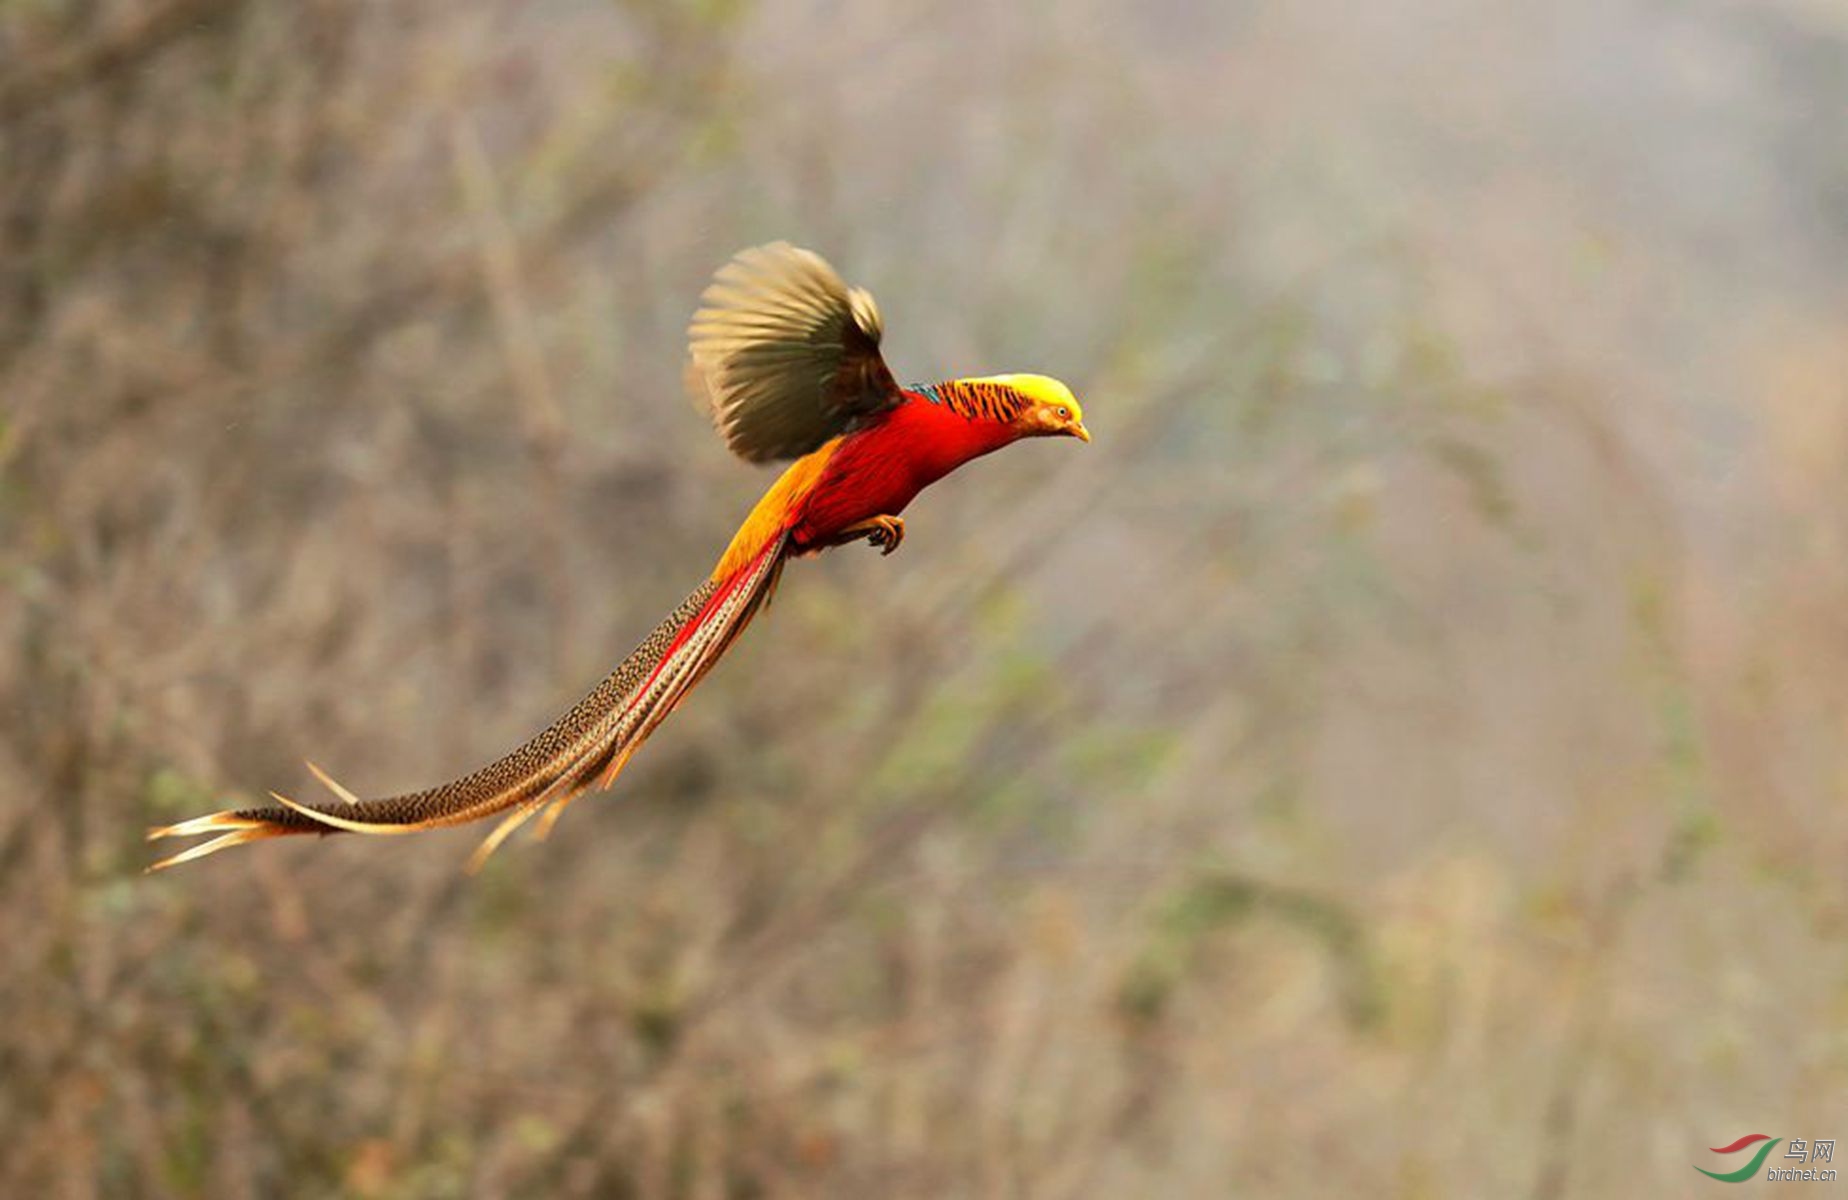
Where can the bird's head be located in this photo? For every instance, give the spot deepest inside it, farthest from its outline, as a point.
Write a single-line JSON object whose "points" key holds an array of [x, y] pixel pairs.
{"points": [[1051, 409]]}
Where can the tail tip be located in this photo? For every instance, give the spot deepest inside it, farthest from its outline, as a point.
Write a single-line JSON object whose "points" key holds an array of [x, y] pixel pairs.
{"points": [[250, 831], [230, 830]]}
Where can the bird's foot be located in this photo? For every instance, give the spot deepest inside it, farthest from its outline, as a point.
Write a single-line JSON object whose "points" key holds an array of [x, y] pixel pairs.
{"points": [[883, 532]]}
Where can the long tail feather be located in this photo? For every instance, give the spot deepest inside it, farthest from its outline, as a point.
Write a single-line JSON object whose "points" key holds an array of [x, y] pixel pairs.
{"points": [[587, 747]]}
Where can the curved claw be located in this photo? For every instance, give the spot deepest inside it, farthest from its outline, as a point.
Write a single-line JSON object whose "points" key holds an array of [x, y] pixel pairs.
{"points": [[886, 533]]}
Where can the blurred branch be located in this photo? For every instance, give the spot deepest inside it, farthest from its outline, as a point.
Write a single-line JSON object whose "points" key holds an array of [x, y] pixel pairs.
{"points": [[542, 422], [107, 54]]}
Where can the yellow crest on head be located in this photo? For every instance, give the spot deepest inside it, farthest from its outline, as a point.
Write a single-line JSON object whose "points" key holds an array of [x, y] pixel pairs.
{"points": [[1043, 390]]}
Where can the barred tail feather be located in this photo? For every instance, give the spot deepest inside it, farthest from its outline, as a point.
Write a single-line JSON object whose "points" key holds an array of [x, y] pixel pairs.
{"points": [[587, 747]]}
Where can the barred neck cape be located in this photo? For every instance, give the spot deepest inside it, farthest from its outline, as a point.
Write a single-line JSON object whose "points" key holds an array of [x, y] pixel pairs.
{"points": [[787, 358], [977, 399]]}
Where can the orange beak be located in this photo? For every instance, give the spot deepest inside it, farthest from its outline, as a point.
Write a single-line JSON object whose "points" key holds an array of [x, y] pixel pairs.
{"points": [[1077, 430]]}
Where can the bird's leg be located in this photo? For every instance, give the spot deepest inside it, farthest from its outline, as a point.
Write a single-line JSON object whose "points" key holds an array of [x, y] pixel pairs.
{"points": [[883, 532]]}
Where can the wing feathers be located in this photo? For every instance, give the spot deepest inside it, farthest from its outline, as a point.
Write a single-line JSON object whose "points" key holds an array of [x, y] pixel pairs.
{"points": [[786, 354]]}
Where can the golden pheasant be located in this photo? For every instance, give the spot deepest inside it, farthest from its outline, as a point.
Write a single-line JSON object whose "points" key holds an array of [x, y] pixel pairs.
{"points": [[787, 355]]}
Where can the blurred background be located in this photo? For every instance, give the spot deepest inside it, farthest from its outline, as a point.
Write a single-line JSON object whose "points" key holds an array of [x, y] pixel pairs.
{"points": [[1403, 756]]}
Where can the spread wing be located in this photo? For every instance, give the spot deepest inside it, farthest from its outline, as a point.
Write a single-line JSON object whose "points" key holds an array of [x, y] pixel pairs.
{"points": [[786, 354]]}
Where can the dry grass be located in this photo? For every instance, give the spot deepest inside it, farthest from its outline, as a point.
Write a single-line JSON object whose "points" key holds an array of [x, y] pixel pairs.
{"points": [[1403, 756]]}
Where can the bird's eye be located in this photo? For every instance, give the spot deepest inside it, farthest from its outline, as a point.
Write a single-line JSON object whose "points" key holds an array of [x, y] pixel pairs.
{"points": [[1065, 412]]}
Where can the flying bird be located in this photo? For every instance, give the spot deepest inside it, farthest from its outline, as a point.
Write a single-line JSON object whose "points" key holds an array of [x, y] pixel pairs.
{"points": [[787, 356]]}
